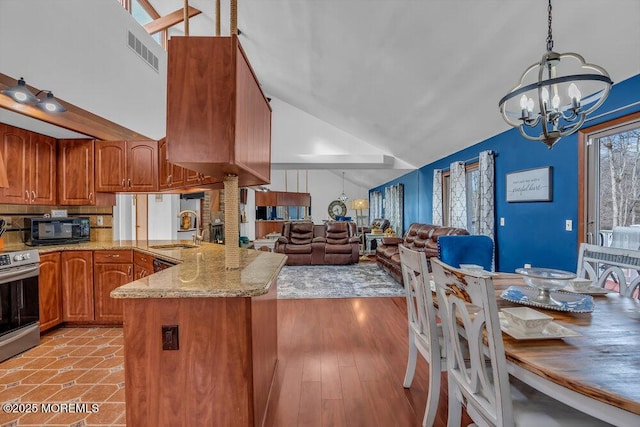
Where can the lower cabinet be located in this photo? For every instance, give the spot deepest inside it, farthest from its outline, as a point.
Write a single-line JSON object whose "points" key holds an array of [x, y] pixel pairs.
{"points": [[77, 285], [50, 291], [111, 270], [142, 265]]}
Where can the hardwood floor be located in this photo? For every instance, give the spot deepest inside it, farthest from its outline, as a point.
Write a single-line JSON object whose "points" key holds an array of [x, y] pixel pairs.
{"points": [[342, 362]]}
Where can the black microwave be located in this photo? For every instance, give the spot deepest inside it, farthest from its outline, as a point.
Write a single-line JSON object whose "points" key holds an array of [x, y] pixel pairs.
{"points": [[52, 231]]}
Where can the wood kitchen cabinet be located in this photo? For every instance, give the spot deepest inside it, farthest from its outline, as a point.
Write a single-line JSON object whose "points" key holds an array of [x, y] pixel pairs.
{"points": [[77, 285], [171, 175], [142, 265], [218, 119], [126, 166], [50, 291], [111, 270], [76, 184], [31, 167]]}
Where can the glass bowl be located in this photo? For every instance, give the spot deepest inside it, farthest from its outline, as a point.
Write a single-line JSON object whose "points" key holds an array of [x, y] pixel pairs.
{"points": [[546, 280]]}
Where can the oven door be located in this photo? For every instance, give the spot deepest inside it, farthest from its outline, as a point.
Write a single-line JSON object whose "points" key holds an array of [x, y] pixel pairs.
{"points": [[19, 305]]}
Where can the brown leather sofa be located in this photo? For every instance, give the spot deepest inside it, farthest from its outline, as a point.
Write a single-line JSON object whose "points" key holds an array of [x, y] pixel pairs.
{"points": [[419, 237], [335, 242]]}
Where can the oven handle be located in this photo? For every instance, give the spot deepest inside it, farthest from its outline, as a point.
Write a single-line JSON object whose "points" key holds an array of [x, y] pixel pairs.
{"points": [[19, 274]]}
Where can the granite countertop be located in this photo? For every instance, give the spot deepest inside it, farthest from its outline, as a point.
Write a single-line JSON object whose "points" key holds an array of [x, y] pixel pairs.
{"points": [[200, 271]]}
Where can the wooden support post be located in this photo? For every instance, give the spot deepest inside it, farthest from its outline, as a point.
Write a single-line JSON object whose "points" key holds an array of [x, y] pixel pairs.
{"points": [[231, 226]]}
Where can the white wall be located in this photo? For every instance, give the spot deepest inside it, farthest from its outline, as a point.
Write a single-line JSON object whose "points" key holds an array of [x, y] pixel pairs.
{"points": [[124, 218], [78, 49], [162, 216]]}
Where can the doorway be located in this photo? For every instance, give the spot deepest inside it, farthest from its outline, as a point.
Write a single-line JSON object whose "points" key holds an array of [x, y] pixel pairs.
{"points": [[611, 183]]}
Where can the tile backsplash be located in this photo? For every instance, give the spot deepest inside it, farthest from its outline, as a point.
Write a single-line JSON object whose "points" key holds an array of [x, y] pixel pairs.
{"points": [[15, 215]]}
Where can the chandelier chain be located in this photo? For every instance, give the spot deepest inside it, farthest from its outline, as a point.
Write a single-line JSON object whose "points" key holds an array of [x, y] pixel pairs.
{"points": [[549, 34]]}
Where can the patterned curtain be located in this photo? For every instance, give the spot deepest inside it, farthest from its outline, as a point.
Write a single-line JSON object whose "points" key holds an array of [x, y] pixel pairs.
{"points": [[458, 196], [394, 209], [486, 194], [375, 205], [437, 214]]}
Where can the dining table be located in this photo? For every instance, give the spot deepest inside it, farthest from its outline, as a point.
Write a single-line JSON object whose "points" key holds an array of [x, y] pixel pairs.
{"points": [[597, 371]]}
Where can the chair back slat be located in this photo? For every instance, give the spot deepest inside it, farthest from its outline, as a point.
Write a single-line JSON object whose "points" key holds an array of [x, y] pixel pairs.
{"points": [[604, 265], [477, 365]]}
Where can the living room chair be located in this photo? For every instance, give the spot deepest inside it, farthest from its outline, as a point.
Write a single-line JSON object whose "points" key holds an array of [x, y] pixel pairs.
{"points": [[471, 249], [425, 335], [478, 377]]}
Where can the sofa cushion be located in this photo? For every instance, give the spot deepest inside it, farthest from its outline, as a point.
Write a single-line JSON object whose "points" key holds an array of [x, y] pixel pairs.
{"points": [[337, 233], [301, 233], [298, 249], [338, 249]]}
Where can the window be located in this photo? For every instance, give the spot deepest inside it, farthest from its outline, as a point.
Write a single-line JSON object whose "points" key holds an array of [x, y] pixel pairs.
{"points": [[144, 13]]}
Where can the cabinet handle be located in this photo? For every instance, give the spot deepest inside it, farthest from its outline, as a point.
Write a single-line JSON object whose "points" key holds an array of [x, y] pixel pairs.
{"points": [[26, 197], [129, 182], [33, 196], [129, 271], [123, 182], [113, 255], [169, 179], [91, 196]]}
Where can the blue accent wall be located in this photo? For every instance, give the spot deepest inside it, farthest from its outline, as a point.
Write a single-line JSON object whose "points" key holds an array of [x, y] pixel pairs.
{"points": [[534, 232]]}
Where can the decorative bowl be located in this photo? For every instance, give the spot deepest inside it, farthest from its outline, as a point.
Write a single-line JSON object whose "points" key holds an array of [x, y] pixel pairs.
{"points": [[545, 280], [527, 319]]}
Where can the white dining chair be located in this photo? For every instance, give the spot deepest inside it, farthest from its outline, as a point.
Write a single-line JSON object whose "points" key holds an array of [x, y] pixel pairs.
{"points": [[619, 266], [476, 362], [425, 335]]}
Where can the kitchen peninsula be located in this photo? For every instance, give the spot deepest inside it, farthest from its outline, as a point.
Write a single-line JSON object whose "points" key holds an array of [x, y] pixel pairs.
{"points": [[222, 367]]}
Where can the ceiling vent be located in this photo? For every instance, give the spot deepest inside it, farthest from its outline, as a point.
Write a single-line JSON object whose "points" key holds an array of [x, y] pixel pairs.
{"points": [[143, 51]]}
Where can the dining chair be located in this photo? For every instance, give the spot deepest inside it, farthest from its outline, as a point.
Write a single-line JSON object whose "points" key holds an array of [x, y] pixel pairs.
{"points": [[476, 362], [610, 267], [425, 334], [466, 249]]}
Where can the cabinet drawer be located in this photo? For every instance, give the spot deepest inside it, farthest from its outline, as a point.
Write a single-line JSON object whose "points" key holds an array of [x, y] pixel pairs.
{"points": [[112, 257], [143, 260]]}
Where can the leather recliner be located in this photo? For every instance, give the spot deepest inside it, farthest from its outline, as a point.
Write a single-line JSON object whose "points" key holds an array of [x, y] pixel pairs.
{"points": [[419, 237], [335, 242]]}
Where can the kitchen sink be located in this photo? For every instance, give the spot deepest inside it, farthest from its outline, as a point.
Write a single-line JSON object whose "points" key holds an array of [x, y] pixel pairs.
{"points": [[174, 246]]}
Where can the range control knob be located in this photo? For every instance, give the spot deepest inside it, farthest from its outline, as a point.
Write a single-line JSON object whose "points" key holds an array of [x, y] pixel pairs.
{"points": [[18, 257]]}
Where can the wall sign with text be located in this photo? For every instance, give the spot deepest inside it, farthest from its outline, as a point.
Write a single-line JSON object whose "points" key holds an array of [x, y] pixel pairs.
{"points": [[531, 185]]}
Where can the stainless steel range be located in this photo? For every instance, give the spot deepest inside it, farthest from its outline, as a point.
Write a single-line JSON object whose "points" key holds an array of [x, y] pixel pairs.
{"points": [[19, 309]]}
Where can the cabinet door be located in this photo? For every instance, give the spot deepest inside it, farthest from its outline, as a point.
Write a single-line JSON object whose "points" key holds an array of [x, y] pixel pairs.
{"points": [[75, 172], [110, 166], [14, 143], [50, 291], [108, 277], [77, 285], [192, 177], [42, 170], [171, 175], [142, 166], [139, 272]]}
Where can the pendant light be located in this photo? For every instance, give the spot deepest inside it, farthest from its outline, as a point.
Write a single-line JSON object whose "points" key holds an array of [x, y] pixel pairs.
{"points": [[554, 96], [342, 197]]}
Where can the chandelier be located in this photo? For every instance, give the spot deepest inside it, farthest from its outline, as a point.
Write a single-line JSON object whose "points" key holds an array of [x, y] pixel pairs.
{"points": [[549, 102], [342, 197]]}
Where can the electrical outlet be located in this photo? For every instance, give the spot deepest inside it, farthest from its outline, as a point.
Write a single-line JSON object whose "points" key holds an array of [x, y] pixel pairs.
{"points": [[568, 225], [170, 337], [100, 220], [501, 222]]}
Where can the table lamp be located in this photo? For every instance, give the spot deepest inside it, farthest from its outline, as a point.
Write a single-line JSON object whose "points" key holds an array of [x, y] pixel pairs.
{"points": [[359, 205]]}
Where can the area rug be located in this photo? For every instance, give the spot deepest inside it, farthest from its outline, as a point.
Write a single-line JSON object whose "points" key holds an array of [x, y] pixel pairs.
{"points": [[336, 281]]}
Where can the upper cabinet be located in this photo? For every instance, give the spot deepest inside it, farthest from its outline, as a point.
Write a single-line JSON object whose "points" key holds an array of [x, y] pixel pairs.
{"points": [[218, 119], [171, 175], [31, 167], [126, 166]]}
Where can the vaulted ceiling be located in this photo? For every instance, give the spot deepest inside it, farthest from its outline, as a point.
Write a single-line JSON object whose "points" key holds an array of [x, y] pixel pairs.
{"points": [[418, 79]]}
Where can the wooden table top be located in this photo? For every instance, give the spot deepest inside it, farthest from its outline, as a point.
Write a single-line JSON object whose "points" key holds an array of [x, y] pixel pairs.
{"points": [[603, 363]]}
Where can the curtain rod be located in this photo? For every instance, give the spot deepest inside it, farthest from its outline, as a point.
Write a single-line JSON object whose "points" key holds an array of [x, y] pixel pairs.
{"points": [[612, 111], [471, 160]]}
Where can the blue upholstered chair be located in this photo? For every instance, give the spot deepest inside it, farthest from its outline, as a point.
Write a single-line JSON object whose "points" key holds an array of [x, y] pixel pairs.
{"points": [[456, 250]]}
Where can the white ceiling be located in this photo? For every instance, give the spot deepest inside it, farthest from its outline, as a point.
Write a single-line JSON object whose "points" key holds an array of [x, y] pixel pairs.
{"points": [[417, 79]]}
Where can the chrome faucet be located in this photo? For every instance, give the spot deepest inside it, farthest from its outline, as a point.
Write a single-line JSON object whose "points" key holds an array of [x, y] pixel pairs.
{"points": [[197, 238]]}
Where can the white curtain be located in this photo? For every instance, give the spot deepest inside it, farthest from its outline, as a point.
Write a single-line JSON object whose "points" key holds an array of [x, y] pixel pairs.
{"points": [[375, 205], [394, 209], [486, 194], [437, 214], [458, 196]]}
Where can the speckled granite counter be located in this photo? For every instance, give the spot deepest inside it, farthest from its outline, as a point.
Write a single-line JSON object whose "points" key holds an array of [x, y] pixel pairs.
{"points": [[199, 272]]}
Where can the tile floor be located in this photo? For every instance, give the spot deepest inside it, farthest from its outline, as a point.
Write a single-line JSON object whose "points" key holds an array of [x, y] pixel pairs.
{"points": [[72, 366]]}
